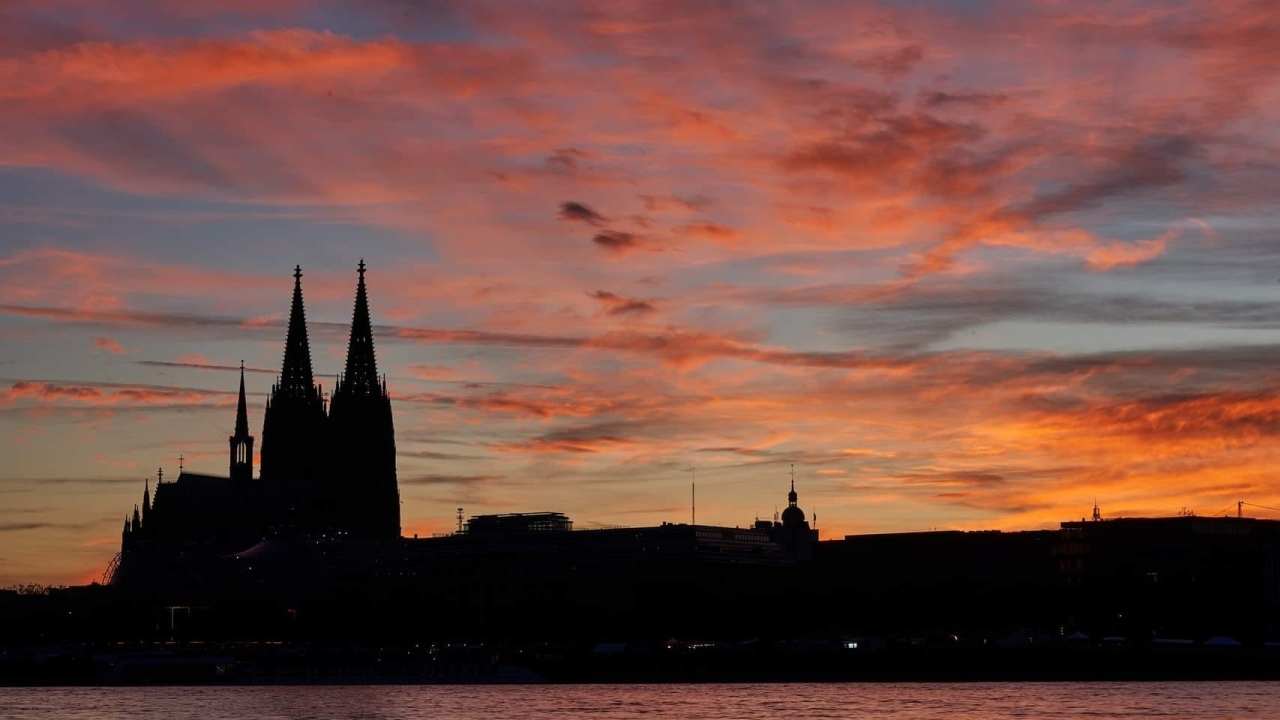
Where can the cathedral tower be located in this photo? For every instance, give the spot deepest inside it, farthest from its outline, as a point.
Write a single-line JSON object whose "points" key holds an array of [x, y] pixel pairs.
{"points": [[362, 437], [293, 425], [241, 442]]}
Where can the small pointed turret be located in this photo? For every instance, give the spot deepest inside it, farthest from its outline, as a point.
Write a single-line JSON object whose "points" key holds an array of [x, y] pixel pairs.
{"points": [[146, 501], [793, 516], [242, 407], [242, 442], [791, 496], [136, 525]]}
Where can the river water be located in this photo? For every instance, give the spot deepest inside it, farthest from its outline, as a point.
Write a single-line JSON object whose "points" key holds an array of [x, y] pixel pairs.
{"points": [[983, 701]]}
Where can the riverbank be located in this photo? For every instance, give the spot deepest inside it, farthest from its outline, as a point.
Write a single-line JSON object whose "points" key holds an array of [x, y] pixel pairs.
{"points": [[278, 664]]}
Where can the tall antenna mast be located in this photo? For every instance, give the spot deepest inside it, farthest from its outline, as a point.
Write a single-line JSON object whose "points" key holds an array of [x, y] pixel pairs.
{"points": [[459, 519], [693, 499]]}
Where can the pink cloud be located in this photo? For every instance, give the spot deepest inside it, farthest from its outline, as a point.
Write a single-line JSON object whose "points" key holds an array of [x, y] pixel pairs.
{"points": [[109, 345]]}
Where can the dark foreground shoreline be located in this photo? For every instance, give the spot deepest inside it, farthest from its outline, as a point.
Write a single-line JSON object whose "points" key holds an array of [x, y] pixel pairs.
{"points": [[477, 664]]}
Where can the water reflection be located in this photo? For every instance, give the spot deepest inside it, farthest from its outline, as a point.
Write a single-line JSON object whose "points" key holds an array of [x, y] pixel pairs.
{"points": [[1065, 701]]}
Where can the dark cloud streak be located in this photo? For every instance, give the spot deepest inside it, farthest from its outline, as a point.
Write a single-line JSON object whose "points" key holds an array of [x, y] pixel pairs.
{"points": [[616, 241], [618, 305], [580, 212]]}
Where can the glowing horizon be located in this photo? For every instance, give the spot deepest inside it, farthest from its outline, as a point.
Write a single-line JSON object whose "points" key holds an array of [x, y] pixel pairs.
{"points": [[966, 265]]}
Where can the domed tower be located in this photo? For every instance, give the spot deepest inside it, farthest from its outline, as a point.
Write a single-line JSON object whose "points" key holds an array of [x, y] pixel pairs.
{"points": [[793, 516], [793, 534]]}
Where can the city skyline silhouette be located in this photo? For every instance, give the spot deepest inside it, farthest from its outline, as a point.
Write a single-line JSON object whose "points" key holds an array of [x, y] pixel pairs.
{"points": [[610, 246]]}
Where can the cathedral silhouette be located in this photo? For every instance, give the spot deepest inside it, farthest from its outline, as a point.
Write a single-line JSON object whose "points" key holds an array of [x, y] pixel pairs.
{"points": [[328, 469]]}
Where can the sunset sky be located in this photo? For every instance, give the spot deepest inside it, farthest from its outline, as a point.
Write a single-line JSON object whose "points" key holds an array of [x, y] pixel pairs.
{"points": [[965, 264]]}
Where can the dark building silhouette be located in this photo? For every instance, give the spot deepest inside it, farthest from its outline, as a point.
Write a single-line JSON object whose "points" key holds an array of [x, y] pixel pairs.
{"points": [[362, 489], [508, 523], [317, 536], [1156, 582], [294, 428], [324, 470], [791, 532], [311, 551], [1178, 576]]}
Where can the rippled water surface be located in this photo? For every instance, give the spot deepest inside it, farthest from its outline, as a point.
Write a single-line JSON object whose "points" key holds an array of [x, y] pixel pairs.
{"points": [[899, 701]]}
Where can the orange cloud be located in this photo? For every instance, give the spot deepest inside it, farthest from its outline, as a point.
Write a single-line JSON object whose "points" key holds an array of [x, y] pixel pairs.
{"points": [[112, 393], [1128, 254], [111, 346], [711, 231], [584, 444]]}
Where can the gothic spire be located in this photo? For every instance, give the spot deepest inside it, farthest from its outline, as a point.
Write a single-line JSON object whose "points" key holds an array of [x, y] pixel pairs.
{"points": [[361, 377], [241, 443], [295, 374], [242, 409]]}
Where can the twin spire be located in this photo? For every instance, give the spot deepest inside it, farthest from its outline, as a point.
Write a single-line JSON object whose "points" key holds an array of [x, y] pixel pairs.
{"points": [[361, 376], [296, 377], [296, 424]]}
